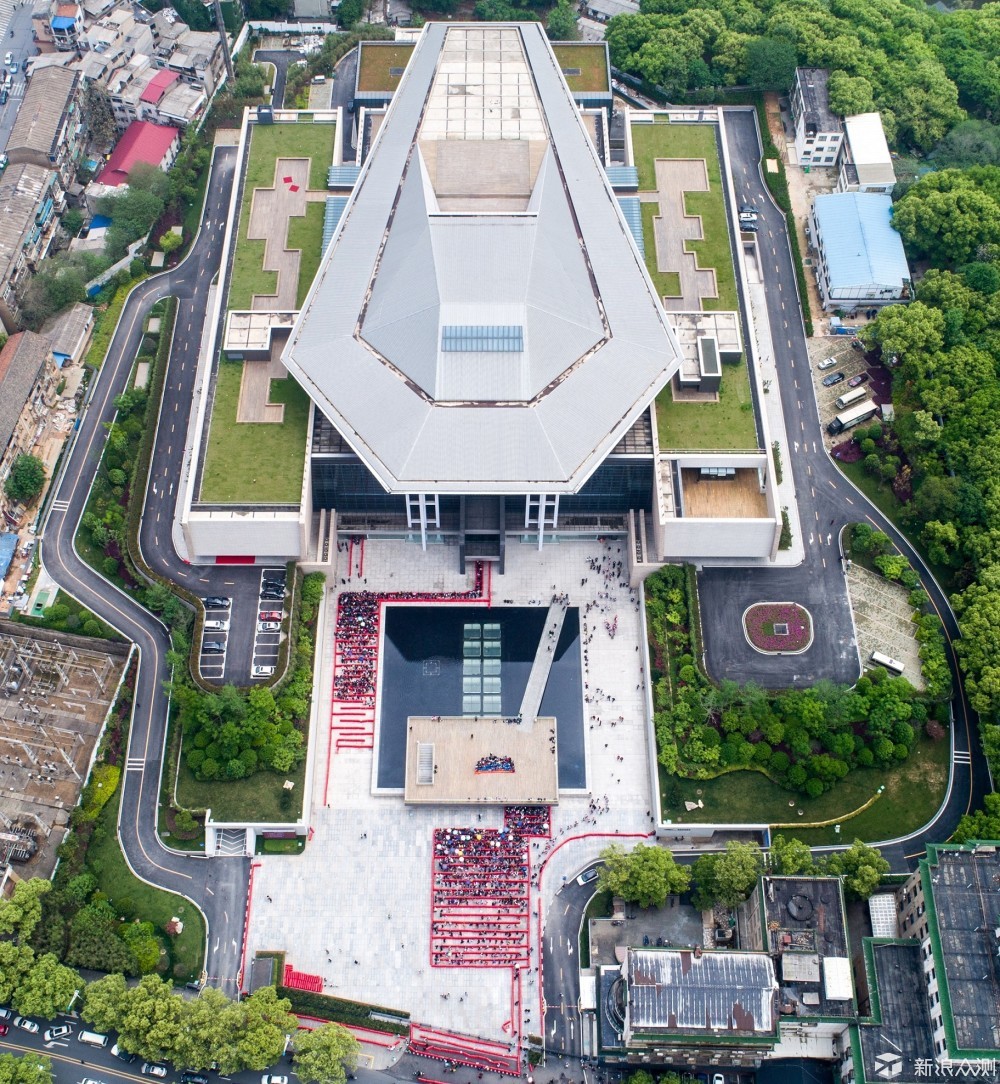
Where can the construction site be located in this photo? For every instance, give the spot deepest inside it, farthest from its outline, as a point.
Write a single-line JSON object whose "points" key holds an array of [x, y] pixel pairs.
{"points": [[56, 691]]}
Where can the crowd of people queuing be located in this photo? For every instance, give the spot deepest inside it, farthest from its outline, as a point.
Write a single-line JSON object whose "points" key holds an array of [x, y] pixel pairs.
{"points": [[356, 646], [479, 898], [494, 762], [529, 820]]}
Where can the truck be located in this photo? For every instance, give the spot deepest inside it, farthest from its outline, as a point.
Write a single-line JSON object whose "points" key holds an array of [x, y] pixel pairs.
{"points": [[852, 417], [855, 395]]}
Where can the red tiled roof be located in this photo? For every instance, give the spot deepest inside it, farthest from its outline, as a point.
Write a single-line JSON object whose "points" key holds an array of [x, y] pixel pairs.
{"points": [[142, 142], [157, 86]]}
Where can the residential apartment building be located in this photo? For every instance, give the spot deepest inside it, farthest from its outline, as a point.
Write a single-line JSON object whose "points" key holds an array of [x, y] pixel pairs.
{"points": [[141, 91], [50, 130], [65, 26], [195, 55], [31, 197], [818, 131], [28, 380]]}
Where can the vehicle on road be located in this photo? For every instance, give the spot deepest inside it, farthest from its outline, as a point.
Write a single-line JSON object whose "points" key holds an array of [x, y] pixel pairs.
{"points": [[856, 381], [718, 1078], [828, 364], [213, 647], [852, 417], [587, 876], [150, 1068], [213, 602], [268, 626], [270, 615], [262, 671], [850, 397], [8, 57], [193, 1078], [92, 1038], [27, 1025], [833, 378], [5, 1013], [4, 95], [747, 209], [60, 1031], [91, 1080], [748, 227], [271, 1078], [122, 1055], [3, 1029]]}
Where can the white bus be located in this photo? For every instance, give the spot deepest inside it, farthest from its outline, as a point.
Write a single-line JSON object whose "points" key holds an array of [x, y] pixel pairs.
{"points": [[855, 395], [850, 418], [890, 664]]}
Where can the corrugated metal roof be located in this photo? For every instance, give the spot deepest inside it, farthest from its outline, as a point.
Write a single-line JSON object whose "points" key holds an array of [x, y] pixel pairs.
{"points": [[623, 177], [342, 176], [632, 210], [332, 212], [859, 243], [367, 344], [720, 991]]}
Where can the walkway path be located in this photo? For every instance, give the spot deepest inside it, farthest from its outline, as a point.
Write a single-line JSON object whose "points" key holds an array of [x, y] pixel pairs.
{"points": [[545, 654]]}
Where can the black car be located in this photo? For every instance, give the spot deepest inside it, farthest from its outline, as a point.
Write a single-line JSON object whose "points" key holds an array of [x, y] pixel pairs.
{"points": [[213, 647], [215, 603], [833, 378], [747, 209], [856, 381], [193, 1078], [274, 585], [272, 593], [122, 1055], [748, 227]]}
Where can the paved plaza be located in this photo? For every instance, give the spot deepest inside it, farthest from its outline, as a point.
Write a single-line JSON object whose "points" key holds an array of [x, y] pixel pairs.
{"points": [[355, 908]]}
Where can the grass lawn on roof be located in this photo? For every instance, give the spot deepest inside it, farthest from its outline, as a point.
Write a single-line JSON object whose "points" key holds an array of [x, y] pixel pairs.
{"points": [[306, 234], [592, 60], [254, 462], [378, 58]]}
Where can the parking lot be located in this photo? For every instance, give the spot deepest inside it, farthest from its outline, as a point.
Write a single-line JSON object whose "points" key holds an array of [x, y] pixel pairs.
{"points": [[248, 628], [848, 360]]}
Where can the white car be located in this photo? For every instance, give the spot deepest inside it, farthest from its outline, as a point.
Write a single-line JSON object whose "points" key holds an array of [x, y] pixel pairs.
{"points": [[270, 1078], [150, 1068], [60, 1031], [828, 364], [587, 876], [268, 626], [27, 1025], [216, 626], [262, 671]]}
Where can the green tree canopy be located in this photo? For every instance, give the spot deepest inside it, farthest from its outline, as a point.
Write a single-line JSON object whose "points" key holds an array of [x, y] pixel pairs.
{"points": [[47, 988], [861, 866], [104, 1004], [561, 23], [26, 479], [325, 1054], [645, 875], [27, 1068], [727, 878]]}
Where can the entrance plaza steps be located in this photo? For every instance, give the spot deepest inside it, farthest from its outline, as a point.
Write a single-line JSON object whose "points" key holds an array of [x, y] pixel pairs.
{"points": [[464, 1050], [531, 702]]}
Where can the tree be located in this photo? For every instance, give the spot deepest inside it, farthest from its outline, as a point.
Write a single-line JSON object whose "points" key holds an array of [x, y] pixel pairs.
{"points": [[28, 1068], [22, 912], [26, 479], [72, 221], [849, 95], [861, 866], [947, 215], [15, 963], [151, 1021], [104, 1003], [100, 115], [790, 856], [325, 1054], [561, 25], [349, 13], [265, 1022], [727, 878], [47, 988], [170, 241], [646, 875], [209, 1034], [770, 64]]}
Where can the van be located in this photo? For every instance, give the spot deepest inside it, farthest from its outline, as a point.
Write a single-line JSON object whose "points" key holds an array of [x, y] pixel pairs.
{"points": [[92, 1038], [216, 626], [853, 396]]}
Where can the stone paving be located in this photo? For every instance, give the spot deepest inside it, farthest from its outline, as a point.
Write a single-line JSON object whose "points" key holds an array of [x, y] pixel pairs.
{"points": [[355, 907], [884, 620]]}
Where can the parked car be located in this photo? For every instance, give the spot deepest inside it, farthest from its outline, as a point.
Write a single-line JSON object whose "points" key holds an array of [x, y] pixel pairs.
{"points": [[150, 1068], [747, 209], [5, 1013], [60, 1031], [856, 381], [828, 364], [272, 596], [268, 626], [216, 626], [271, 1078], [747, 227], [122, 1055], [262, 671], [833, 378], [213, 602], [91, 1080], [718, 1078], [270, 615], [3, 1030], [748, 216], [213, 647], [27, 1025], [193, 1078]]}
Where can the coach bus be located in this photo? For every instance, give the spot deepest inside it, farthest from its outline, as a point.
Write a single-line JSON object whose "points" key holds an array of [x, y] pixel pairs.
{"points": [[890, 664]]}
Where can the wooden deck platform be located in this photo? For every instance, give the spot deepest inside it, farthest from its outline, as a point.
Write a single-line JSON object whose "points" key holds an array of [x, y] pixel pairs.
{"points": [[723, 498], [442, 753]]}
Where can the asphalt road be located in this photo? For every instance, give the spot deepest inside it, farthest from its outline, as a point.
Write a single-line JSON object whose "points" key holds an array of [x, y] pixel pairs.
{"points": [[561, 970], [15, 35], [827, 501], [218, 887], [282, 59]]}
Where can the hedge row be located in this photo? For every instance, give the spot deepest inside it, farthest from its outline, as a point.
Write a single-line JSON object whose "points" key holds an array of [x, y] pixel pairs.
{"points": [[105, 324], [341, 1011]]}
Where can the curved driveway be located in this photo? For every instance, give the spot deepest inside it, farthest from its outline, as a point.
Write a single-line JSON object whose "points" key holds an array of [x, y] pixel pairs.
{"points": [[218, 887], [827, 501]]}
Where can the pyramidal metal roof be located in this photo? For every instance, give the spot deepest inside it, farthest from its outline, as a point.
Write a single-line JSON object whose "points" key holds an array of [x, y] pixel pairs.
{"points": [[482, 207]]}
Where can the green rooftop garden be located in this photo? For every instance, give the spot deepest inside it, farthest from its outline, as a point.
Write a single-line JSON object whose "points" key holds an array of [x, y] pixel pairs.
{"points": [[381, 64], [254, 462], [584, 64], [262, 462], [728, 423]]}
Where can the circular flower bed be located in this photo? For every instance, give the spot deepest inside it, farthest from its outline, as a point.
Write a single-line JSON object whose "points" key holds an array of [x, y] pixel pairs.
{"points": [[778, 628]]}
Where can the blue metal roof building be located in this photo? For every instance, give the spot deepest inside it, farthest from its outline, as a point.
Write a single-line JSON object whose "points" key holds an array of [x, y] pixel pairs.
{"points": [[861, 259]]}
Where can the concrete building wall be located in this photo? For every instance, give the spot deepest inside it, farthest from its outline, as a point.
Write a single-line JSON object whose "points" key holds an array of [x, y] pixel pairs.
{"points": [[258, 534], [695, 539]]}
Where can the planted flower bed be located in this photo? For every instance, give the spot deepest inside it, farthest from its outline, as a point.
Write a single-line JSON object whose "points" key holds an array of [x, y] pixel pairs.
{"points": [[778, 627]]}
